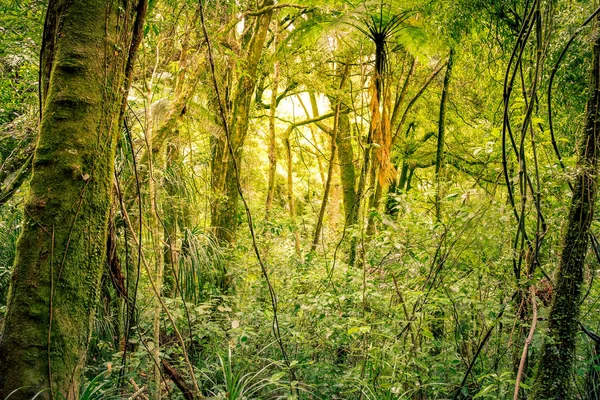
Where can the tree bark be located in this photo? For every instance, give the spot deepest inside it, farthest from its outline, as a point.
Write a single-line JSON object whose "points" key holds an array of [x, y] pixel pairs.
{"points": [[272, 135], [439, 157], [155, 233], [347, 171], [61, 252], [290, 184], [224, 208], [554, 371], [332, 157]]}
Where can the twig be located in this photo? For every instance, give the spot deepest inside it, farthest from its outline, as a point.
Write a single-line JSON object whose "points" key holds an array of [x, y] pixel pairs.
{"points": [[527, 343], [138, 393]]}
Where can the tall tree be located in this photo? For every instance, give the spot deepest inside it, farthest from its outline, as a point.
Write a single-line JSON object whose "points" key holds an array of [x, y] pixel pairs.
{"points": [[554, 371], [224, 207], [347, 171], [86, 62], [334, 144]]}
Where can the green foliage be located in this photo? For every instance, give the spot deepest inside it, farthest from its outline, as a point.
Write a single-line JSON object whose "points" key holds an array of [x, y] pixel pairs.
{"points": [[201, 272], [10, 228], [431, 309], [20, 32]]}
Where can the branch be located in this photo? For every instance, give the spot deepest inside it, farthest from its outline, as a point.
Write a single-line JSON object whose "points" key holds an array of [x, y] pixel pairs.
{"points": [[285, 93], [590, 334], [324, 127], [309, 121], [414, 99], [271, 8], [176, 377], [527, 343], [255, 13]]}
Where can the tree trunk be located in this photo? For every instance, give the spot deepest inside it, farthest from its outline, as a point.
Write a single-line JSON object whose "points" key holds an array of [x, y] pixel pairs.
{"points": [[347, 172], [439, 157], [272, 135], [554, 371], [391, 207], [332, 157], [411, 172], [391, 204], [155, 232], [290, 183], [360, 191], [173, 204], [224, 209], [61, 252], [374, 201], [172, 214]]}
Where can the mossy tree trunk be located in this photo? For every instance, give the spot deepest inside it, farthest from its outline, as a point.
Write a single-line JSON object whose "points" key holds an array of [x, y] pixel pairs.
{"points": [[86, 58], [272, 134], [332, 157], [555, 366], [347, 171], [224, 207]]}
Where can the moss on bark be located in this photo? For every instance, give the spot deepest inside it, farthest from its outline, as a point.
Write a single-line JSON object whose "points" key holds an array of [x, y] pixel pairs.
{"points": [[60, 254], [347, 171], [554, 373], [224, 180]]}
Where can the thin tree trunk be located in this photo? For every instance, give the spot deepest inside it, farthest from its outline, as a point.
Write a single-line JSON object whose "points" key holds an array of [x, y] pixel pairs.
{"points": [[554, 375], [396, 186], [153, 223], [399, 185], [62, 248], [345, 155], [315, 113], [347, 172], [411, 173], [374, 201], [360, 193], [334, 134], [290, 184], [439, 155], [272, 136], [172, 213], [173, 203]]}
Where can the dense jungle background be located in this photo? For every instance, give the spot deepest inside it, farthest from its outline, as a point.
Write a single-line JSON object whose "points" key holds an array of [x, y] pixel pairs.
{"points": [[320, 199]]}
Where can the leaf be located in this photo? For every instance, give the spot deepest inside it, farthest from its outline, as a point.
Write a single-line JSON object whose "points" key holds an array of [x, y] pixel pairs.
{"points": [[359, 329], [537, 121], [483, 392], [276, 377], [427, 333]]}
